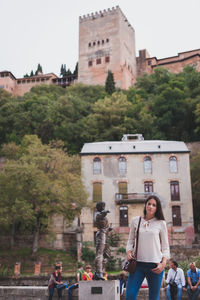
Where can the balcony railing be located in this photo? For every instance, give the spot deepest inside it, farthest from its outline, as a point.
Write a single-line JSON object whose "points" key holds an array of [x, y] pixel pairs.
{"points": [[129, 198]]}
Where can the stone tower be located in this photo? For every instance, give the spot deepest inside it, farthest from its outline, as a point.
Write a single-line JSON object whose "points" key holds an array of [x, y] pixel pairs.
{"points": [[106, 42]]}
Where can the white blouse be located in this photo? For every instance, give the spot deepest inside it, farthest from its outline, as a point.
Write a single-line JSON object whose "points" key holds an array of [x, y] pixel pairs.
{"points": [[153, 242]]}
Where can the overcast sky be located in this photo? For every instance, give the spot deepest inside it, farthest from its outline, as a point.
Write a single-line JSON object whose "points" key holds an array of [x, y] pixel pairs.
{"points": [[46, 31]]}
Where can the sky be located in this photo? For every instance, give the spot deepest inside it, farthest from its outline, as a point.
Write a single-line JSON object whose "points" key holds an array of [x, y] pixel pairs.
{"points": [[46, 31]]}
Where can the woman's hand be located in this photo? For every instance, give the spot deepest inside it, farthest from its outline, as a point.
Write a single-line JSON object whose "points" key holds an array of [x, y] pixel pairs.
{"points": [[129, 255], [160, 267]]}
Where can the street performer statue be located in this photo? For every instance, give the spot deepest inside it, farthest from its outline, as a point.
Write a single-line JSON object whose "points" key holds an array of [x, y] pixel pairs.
{"points": [[102, 246]]}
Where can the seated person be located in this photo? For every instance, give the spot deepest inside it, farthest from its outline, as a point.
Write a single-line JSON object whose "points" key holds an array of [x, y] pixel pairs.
{"points": [[87, 275], [176, 275], [193, 279], [55, 282]]}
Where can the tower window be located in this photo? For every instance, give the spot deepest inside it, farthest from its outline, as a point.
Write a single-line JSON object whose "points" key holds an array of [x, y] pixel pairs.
{"points": [[102, 41], [94, 43], [89, 45], [107, 40], [107, 59], [98, 61], [98, 42], [90, 63]]}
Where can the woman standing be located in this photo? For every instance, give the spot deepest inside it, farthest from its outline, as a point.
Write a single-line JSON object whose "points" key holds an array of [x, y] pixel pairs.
{"points": [[153, 250]]}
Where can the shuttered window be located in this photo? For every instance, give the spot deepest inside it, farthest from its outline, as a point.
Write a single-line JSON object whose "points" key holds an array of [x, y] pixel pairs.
{"points": [[97, 191]]}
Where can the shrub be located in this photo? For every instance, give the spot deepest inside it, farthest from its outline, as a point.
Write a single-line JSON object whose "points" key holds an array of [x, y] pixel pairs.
{"points": [[88, 255]]}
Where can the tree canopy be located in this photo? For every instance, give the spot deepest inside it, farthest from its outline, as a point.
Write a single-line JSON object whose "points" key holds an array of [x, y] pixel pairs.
{"points": [[36, 182], [160, 106]]}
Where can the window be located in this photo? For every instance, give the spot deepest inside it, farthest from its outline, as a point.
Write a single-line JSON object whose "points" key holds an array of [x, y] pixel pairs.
{"points": [[148, 187], [98, 61], [149, 62], [123, 216], [89, 45], [176, 216], [94, 43], [107, 59], [122, 165], [122, 187], [147, 165], [173, 164], [98, 43], [97, 165], [97, 191], [107, 40], [1, 86], [174, 189], [102, 41], [90, 63]]}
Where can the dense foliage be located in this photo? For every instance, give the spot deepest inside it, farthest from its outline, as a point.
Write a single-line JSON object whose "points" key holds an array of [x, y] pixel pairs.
{"points": [[36, 182], [161, 106]]}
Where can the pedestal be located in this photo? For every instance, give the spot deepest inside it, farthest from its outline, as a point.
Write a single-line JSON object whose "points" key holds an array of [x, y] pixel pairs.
{"points": [[99, 290]]}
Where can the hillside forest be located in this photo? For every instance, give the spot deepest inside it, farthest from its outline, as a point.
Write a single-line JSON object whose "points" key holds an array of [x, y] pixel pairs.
{"points": [[51, 124]]}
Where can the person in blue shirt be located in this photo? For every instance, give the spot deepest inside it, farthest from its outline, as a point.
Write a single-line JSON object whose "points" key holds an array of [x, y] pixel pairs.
{"points": [[193, 279]]}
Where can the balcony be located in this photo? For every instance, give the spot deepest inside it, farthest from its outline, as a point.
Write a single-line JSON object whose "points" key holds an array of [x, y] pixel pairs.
{"points": [[131, 198]]}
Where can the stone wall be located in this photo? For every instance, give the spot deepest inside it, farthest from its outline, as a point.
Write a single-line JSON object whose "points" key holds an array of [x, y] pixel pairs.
{"points": [[41, 293]]}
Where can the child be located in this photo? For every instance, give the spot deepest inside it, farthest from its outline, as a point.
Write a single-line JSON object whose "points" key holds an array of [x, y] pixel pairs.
{"points": [[87, 275]]}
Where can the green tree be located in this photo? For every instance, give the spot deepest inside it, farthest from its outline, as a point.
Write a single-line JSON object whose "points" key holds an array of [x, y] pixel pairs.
{"points": [[42, 182], [76, 70], [110, 119], [110, 83], [39, 69]]}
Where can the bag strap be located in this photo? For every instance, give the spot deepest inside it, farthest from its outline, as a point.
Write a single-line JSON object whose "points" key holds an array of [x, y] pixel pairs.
{"points": [[175, 277], [137, 237]]}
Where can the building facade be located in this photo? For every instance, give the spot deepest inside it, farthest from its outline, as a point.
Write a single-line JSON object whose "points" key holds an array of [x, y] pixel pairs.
{"points": [[106, 42], [20, 86], [123, 174]]}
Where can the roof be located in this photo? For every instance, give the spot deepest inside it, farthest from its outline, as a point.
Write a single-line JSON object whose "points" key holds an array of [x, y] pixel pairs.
{"points": [[134, 147]]}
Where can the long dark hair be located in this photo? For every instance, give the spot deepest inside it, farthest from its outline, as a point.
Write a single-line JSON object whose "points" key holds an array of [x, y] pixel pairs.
{"points": [[159, 213]]}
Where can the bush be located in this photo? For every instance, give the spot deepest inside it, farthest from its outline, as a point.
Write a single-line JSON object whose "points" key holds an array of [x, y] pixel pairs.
{"points": [[111, 264], [88, 255], [121, 250], [113, 239], [5, 272]]}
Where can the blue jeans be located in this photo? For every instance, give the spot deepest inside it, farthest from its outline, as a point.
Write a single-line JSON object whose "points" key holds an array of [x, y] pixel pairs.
{"points": [[70, 290], [51, 292], [135, 280], [179, 292], [193, 295]]}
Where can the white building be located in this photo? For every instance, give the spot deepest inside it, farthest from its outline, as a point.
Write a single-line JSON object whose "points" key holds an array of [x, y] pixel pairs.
{"points": [[124, 173]]}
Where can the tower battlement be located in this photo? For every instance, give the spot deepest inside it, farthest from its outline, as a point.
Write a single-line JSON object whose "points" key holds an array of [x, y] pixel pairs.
{"points": [[103, 13], [99, 14]]}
